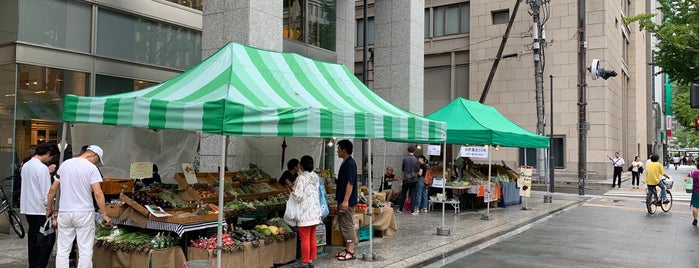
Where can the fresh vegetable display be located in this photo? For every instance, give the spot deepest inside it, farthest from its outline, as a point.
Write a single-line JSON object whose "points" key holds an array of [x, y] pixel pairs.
{"points": [[283, 231], [132, 241], [204, 190], [229, 244], [144, 199]]}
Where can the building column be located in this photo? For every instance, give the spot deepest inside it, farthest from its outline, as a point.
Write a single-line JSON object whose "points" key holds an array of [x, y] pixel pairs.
{"points": [[399, 65], [249, 22]]}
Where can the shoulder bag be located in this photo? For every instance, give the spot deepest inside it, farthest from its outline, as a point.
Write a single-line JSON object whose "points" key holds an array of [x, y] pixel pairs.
{"points": [[323, 202], [689, 185]]}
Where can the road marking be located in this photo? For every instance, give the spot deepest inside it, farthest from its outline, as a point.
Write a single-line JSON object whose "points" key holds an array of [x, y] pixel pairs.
{"points": [[632, 208]]}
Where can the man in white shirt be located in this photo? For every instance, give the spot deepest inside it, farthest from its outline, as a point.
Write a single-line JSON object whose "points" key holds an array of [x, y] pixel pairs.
{"points": [[618, 163], [77, 178], [36, 182]]}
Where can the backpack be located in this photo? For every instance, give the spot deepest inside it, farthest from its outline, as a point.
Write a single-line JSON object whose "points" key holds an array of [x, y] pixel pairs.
{"points": [[428, 177]]}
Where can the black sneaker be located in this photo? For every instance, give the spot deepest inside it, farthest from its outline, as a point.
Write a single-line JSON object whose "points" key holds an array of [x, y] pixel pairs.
{"points": [[694, 222], [666, 201]]}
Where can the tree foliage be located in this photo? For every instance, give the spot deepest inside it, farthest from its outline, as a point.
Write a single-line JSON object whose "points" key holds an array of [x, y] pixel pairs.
{"points": [[678, 35]]}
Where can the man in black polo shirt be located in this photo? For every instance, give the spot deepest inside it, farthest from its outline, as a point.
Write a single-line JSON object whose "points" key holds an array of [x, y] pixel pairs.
{"points": [[346, 196]]}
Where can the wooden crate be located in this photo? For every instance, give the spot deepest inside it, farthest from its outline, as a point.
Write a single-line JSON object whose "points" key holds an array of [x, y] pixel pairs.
{"points": [[115, 186], [134, 205]]}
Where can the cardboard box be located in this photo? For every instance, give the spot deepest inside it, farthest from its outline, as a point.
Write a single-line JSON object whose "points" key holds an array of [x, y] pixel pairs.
{"points": [[336, 238], [114, 210]]}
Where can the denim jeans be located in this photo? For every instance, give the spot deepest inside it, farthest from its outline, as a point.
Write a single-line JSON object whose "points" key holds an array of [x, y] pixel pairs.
{"points": [[420, 195]]}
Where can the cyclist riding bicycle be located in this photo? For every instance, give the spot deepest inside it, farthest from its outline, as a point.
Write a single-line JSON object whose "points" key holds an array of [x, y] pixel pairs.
{"points": [[653, 172]]}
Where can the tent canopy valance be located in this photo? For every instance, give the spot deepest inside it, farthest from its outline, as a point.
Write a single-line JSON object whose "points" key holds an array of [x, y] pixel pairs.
{"points": [[470, 122], [245, 91]]}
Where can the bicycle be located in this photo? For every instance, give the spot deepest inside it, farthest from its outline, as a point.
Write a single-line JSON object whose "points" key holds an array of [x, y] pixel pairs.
{"points": [[12, 215], [652, 202]]}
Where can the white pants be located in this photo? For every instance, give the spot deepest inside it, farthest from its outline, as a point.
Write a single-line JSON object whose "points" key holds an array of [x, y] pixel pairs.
{"points": [[70, 226]]}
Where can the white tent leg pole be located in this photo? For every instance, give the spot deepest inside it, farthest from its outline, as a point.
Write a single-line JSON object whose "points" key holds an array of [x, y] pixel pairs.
{"points": [[443, 230], [63, 143], [221, 181], [371, 207], [490, 163], [487, 188]]}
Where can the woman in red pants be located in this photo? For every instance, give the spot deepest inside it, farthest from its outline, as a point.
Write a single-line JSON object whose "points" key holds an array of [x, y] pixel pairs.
{"points": [[306, 194]]}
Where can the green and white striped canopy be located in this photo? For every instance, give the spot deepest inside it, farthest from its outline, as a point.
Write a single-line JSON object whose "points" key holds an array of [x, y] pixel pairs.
{"points": [[245, 91]]}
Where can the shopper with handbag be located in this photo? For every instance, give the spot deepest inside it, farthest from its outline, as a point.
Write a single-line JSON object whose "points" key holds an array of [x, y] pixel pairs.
{"points": [[306, 194], [694, 177]]}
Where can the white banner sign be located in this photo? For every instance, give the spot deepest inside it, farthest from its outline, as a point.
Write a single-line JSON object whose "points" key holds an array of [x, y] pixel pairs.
{"points": [[474, 151], [434, 150]]}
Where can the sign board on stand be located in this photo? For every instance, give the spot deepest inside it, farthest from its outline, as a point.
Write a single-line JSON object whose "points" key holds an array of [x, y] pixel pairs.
{"points": [[474, 151], [525, 181]]}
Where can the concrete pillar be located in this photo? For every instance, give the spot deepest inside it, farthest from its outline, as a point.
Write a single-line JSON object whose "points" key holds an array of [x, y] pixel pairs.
{"points": [[252, 22], [398, 66]]}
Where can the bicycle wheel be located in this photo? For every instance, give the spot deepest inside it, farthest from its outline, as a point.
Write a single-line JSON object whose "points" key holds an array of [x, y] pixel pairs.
{"points": [[668, 206], [16, 223], [650, 202]]}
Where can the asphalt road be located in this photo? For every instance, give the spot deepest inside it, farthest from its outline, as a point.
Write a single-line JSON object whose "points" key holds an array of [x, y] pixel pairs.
{"points": [[606, 231]]}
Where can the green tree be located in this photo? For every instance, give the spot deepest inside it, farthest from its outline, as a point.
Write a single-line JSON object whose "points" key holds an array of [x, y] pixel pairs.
{"points": [[678, 35]]}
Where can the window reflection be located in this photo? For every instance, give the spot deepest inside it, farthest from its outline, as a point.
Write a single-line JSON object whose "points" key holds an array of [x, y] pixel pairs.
{"points": [[40, 91], [56, 23], [108, 85], [310, 21], [128, 37], [195, 4]]}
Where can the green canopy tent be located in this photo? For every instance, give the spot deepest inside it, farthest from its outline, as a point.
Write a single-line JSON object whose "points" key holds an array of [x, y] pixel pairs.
{"points": [[245, 91], [470, 122]]}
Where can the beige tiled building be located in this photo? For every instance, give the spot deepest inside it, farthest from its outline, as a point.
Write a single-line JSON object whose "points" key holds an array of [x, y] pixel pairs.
{"points": [[461, 40]]}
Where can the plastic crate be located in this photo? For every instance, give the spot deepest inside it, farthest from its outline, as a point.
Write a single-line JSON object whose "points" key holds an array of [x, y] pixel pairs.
{"points": [[365, 232]]}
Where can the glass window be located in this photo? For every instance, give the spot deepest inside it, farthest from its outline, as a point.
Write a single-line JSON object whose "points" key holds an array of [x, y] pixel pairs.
{"points": [[557, 150], [370, 37], [147, 41], [312, 22], [56, 23], [293, 18], [108, 85], [195, 4], [451, 19], [427, 23], [321, 24], [40, 91], [501, 16]]}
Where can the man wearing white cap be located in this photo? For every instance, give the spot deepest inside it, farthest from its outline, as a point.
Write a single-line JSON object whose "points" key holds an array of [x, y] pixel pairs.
{"points": [[78, 178]]}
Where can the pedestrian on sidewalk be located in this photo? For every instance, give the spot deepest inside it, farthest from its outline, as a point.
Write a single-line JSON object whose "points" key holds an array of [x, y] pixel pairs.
{"points": [[346, 196], [694, 176], [421, 190], [410, 167], [78, 179], [636, 168], [618, 164], [36, 181], [676, 161], [305, 193]]}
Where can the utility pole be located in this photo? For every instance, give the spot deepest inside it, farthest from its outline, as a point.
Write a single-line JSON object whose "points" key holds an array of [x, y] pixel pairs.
{"points": [[582, 100], [537, 46]]}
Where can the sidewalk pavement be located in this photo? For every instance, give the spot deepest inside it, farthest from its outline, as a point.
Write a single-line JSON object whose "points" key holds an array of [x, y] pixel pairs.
{"points": [[416, 242]]}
